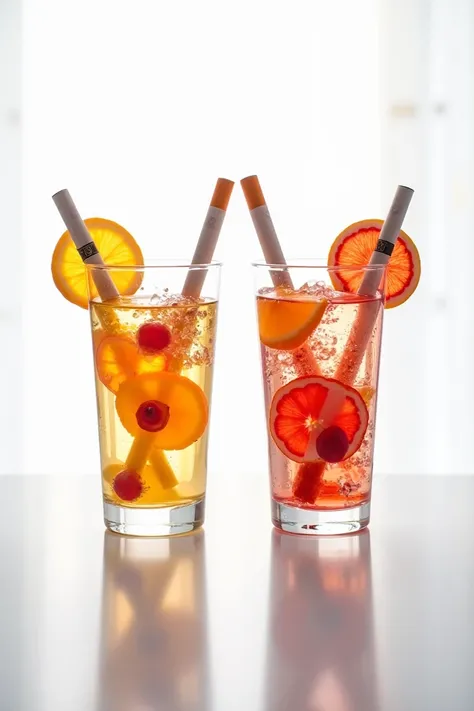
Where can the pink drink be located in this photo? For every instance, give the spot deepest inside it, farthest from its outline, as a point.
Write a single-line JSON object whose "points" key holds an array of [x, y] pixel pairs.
{"points": [[333, 371]]}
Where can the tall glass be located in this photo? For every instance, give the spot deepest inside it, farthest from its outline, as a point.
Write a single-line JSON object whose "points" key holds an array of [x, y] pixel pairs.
{"points": [[320, 350], [153, 360]]}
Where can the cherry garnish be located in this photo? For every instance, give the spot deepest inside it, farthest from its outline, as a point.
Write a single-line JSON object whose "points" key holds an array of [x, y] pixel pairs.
{"points": [[128, 485], [153, 337], [332, 444], [153, 415]]}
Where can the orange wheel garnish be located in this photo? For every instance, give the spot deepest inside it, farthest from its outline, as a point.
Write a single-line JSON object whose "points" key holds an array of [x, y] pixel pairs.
{"points": [[187, 403], [287, 320], [297, 417], [116, 247], [118, 358], [354, 247]]}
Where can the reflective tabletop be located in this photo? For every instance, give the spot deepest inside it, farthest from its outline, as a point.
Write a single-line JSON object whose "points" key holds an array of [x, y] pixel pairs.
{"points": [[238, 616]]}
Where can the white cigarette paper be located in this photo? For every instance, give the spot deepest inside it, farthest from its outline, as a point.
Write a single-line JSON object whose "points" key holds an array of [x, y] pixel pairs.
{"points": [[270, 244], [304, 359], [204, 251], [388, 236], [82, 238]]}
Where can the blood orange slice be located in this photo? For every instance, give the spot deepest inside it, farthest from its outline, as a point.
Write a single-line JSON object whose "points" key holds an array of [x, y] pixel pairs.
{"points": [[354, 247], [298, 426], [285, 322]]}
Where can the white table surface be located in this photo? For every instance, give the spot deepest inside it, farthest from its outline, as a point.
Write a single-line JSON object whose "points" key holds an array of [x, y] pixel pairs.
{"points": [[238, 617]]}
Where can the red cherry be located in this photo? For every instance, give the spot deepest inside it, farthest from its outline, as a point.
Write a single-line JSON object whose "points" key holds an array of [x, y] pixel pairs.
{"points": [[153, 337], [332, 444], [153, 415], [128, 485]]}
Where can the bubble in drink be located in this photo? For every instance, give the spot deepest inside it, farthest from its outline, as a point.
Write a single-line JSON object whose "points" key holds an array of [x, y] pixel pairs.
{"points": [[155, 300]]}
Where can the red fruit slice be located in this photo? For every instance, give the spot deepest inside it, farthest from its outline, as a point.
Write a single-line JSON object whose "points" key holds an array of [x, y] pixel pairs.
{"points": [[354, 247], [304, 409]]}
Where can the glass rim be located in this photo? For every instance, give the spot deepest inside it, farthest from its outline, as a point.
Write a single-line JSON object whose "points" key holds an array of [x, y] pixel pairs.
{"points": [[304, 263], [154, 264]]}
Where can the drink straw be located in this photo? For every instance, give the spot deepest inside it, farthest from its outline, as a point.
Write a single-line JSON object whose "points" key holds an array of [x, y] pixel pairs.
{"points": [[142, 447], [361, 330], [304, 362]]}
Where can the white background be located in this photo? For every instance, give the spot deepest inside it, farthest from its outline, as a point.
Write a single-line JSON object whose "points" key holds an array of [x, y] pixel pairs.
{"points": [[138, 107]]}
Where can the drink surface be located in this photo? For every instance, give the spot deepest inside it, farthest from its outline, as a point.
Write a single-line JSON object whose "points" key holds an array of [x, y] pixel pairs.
{"points": [[153, 391], [339, 355]]}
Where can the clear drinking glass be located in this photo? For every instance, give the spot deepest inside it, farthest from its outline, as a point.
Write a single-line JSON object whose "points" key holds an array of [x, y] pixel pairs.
{"points": [[320, 349], [153, 360]]}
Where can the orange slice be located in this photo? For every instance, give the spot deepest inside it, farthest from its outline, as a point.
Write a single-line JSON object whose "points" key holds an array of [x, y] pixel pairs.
{"points": [[118, 358], [295, 420], [185, 403], [116, 247], [287, 321], [354, 247]]}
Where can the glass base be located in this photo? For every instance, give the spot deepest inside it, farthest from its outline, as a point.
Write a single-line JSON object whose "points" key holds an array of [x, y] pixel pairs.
{"points": [[162, 521], [320, 523]]}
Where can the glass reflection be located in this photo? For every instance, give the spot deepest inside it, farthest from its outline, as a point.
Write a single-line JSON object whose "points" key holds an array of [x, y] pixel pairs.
{"points": [[154, 624], [320, 641]]}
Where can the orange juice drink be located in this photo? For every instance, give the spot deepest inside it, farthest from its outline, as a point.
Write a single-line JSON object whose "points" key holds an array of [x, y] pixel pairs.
{"points": [[153, 360], [153, 334]]}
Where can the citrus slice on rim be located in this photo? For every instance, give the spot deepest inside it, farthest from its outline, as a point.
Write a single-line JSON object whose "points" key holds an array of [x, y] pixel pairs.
{"points": [[297, 421], [354, 247], [286, 320], [117, 248], [118, 358], [171, 406]]}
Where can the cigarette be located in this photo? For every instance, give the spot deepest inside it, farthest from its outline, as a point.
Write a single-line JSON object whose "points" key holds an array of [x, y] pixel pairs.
{"points": [[208, 238], [84, 243], [305, 362], [362, 328], [265, 229], [386, 242]]}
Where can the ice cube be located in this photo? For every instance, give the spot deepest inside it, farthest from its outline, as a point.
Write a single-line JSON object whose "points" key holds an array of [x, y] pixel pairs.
{"points": [[316, 288]]}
